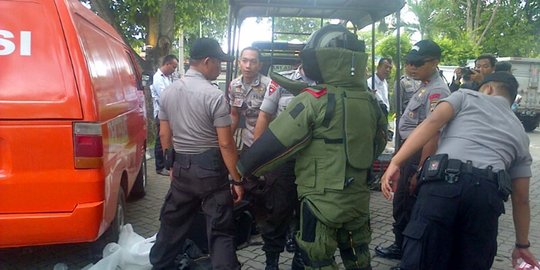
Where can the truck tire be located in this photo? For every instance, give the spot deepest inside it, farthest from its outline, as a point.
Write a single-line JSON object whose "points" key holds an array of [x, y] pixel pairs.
{"points": [[529, 126], [112, 234], [529, 123], [139, 187]]}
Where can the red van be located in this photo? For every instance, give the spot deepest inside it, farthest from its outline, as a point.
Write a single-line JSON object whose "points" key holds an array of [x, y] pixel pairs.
{"points": [[72, 124]]}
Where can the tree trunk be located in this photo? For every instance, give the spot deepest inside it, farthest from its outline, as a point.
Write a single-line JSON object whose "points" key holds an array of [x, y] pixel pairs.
{"points": [[488, 25], [477, 18], [159, 39], [468, 23], [160, 34]]}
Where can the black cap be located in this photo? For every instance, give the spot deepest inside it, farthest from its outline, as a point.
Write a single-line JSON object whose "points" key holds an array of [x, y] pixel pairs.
{"points": [[503, 77], [424, 49], [208, 47]]}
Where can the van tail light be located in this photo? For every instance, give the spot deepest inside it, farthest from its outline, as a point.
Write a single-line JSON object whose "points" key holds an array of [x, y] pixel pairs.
{"points": [[87, 145]]}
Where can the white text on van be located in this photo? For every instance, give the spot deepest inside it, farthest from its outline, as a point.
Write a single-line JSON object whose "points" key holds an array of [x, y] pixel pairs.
{"points": [[8, 45]]}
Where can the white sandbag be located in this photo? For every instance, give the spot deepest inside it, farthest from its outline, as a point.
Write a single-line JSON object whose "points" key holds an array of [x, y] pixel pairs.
{"points": [[132, 252], [111, 258]]}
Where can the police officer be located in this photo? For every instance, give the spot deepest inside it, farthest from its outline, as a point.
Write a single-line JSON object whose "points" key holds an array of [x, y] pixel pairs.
{"points": [[246, 92], [319, 127], [279, 199], [421, 63], [271, 199], [408, 87], [483, 155], [196, 123]]}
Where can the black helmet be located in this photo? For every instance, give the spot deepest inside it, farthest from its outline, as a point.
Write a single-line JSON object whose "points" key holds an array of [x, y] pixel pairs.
{"points": [[335, 36]]}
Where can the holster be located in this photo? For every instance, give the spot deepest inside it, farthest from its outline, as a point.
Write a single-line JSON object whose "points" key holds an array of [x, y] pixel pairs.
{"points": [[434, 168], [504, 185], [440, 168]]}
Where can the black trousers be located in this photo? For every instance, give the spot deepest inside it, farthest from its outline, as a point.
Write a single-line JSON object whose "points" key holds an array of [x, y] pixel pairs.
{"points": [[403, 201], [453, 226], [197, 186], [158, 150], [274, 202]]}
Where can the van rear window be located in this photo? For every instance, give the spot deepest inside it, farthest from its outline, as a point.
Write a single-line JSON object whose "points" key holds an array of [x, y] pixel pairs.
{"points": [[35, 67]]}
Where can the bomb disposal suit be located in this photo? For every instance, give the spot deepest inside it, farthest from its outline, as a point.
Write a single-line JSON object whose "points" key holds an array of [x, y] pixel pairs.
{"points": [[334, 129]]}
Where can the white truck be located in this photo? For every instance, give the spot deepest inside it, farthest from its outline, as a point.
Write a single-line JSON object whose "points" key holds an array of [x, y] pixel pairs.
{"points": [[527, 73]]}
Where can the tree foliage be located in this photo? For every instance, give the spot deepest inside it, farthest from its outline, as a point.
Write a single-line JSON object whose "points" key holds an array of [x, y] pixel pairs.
{"points": [[455, 52], [157, 24], [388, 46], [287, 29], [467, 28]]}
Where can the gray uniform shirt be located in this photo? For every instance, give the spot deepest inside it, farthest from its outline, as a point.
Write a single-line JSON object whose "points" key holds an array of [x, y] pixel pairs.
{"points": [[422, 103], [485, 131], [276, 97], [248, 99], [194, 108], [408, 87]]}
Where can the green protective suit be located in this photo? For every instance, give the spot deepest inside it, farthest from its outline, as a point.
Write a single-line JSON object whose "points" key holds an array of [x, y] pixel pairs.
{"points": [[334, 130]]}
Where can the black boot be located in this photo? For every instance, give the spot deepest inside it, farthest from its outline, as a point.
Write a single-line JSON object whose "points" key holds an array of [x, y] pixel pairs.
{"points": [[392, 251], [297, 262], [272, 261]]}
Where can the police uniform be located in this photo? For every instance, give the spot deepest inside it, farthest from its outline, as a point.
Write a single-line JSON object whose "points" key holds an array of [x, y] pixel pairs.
{"points": [[420, 106], [275, 199], [319, 128], [248, 99], [408, 87], [455, 218], [276, 97], [194, 108]]}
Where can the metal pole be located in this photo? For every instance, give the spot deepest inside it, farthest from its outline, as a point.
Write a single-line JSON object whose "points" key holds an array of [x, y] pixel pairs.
{"points": [[272, 47], [228, 76], [372, 56], [397, 91]]}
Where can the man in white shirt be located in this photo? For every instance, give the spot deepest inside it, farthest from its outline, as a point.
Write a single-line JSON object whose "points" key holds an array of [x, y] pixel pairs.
{"points": [[381, 85], [162, 78]]}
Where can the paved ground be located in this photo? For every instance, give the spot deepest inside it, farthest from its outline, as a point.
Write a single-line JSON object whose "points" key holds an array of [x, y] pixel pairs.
{"points": [[143, 215]]}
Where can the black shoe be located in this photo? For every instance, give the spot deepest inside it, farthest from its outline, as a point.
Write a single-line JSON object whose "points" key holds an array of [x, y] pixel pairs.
{"points": [[297, 262], [163, 172], [272, 261], [390, 252]]}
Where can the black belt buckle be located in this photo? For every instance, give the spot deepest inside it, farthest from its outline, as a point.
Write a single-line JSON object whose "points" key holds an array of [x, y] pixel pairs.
{"points": [[452, 171]]}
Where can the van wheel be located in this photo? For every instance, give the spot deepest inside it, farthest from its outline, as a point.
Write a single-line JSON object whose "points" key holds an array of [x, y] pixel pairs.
{"points": [[139, 188], [112, 234]]}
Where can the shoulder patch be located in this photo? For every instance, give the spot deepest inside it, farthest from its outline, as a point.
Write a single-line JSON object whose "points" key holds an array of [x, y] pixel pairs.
{"points": [[436, 96], [273, 87], [316, 93]]}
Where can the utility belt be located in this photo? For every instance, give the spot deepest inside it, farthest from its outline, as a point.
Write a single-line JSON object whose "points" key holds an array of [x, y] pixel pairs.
{"points": [[210, 159], [440, 168]]}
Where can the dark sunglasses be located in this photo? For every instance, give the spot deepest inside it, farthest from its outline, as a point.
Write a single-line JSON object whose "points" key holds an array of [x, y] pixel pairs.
{"points": [[418, 63]]}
